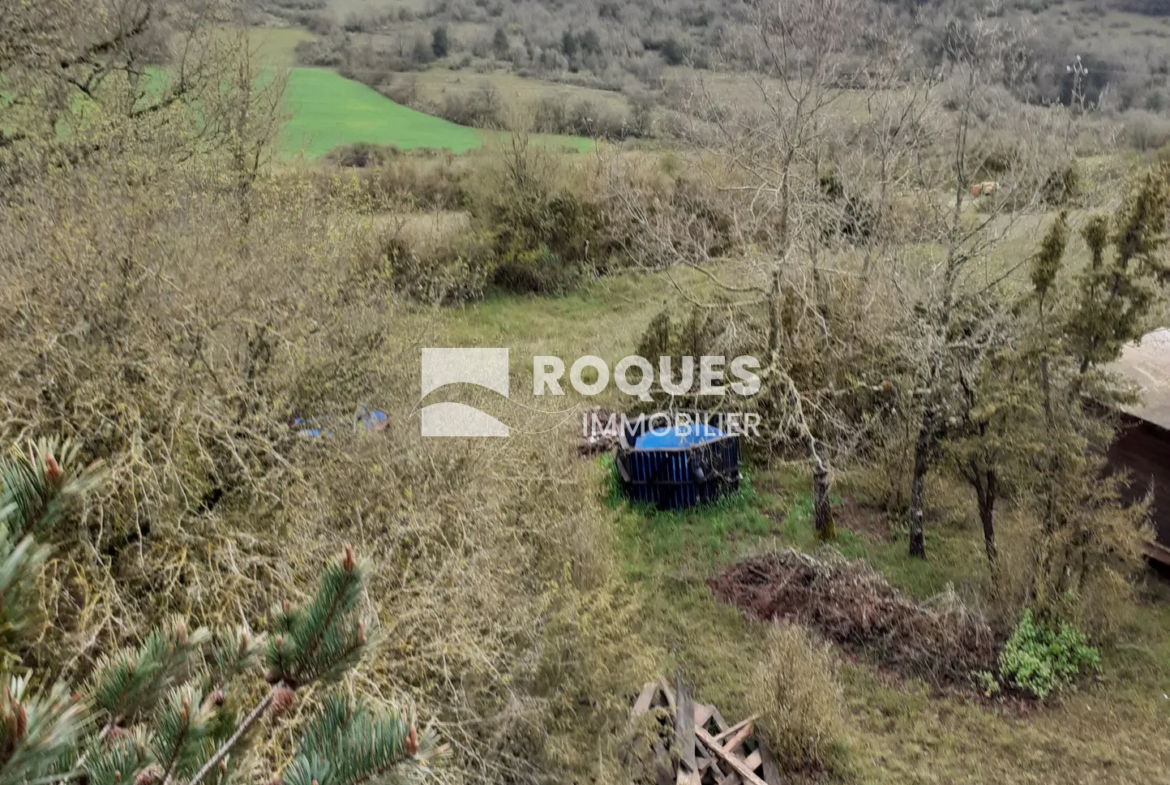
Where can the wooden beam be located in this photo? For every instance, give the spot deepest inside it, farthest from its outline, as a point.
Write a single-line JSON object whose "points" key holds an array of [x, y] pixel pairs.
{"points": [[642, 705], [1157, 552], [702, 714], [663, 768], [771, 768], [684, 728], [736, 728], [733, 743], [666, 691], [737, 765]]}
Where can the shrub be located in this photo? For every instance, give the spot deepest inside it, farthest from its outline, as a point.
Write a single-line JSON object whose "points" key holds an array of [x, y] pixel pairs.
{"points": [[1040, 660], [1145, 130], [360, 155], [452, 273], [799, 700], [542, 245], [500, 44], [1062, 185], [421, 53], [549, 116], [478, 109]]}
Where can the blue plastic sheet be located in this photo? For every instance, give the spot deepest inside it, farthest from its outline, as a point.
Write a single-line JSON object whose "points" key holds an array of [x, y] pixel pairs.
{"points": [[678, 436], [366, 420]]}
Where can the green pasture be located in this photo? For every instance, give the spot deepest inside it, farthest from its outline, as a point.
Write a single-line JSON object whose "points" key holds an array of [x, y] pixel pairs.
{"points": [[327, 110]]}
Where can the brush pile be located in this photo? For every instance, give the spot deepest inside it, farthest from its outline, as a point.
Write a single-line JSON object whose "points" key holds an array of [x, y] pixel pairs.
{"points": [[942, 640]]}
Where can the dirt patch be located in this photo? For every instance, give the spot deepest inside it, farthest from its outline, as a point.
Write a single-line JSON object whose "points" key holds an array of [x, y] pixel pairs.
{"points": [[870, 523], [942, 641], [595, 439]]}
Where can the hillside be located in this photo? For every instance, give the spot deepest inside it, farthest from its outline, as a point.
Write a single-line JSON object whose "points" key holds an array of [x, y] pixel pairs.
{"points": [[622, 392]]}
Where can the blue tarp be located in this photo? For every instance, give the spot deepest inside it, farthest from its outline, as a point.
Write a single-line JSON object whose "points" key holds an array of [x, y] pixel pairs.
{"points": [[678, 436], [367, 420]]}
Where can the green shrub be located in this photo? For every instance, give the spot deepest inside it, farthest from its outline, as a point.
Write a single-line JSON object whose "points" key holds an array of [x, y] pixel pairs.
{"points": [[1040, 660], [361, 155], [543, 245], [1062, 185], [799, 700], [450, 274]]}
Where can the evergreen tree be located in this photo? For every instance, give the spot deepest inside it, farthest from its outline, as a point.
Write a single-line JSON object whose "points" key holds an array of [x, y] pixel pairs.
{"points": [[173, 710], [440, 41], [501, 46]]}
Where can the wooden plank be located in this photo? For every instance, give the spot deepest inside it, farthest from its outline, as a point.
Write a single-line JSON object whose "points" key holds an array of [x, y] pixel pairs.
{"points": [[684, 728], [754, 760], [1156, 551], [736, 728], [771, 768], [719, 721], [642, 705], [736, 764], [662, 685], [663, 768], [708, 762], [702, 715], [738, 739]]}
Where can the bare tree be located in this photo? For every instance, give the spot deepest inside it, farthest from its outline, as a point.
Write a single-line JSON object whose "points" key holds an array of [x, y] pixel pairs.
{"points": [[774, 156], [972, 227]]}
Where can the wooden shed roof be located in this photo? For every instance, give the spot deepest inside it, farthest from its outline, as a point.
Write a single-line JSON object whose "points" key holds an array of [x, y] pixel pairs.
{"points": [[1147, 363]]}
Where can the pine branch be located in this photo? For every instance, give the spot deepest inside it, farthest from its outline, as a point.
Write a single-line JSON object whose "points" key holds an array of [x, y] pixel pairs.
{"points": [[181, 725], [36, 733], [40, 482], [319, 641], [348, 743], [226, 748], [19, 566], [131, 682]]}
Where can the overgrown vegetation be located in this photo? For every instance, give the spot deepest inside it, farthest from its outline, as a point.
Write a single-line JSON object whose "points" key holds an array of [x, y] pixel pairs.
{"points": [[798, 699]]}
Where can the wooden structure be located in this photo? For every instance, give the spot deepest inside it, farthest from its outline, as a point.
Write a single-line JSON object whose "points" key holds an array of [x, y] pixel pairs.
{"points": [[705, 750], [1143, 446]]}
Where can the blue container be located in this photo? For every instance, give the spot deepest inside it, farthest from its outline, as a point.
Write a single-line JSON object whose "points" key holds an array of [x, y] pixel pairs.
{"points": [[679, 467]]}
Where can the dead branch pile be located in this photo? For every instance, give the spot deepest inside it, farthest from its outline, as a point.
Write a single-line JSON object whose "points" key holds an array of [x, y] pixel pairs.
{"points": [[942, 641]]}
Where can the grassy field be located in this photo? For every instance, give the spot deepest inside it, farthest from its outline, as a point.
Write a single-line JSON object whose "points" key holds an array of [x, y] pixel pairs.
{"points": [[1115, 730], [518, 92], [277, 46], [328, 110]]}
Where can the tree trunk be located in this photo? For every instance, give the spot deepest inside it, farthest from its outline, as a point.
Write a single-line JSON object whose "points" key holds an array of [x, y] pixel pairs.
{"points": [[774, 315], [922, 449], [985, 491], [822, 511]]}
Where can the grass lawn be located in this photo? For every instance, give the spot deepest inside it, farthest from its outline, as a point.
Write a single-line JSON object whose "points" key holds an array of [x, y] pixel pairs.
{"points": [[328, 110], [900, 731]]}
